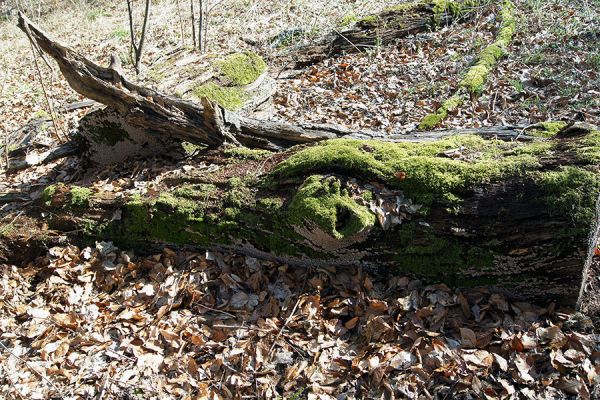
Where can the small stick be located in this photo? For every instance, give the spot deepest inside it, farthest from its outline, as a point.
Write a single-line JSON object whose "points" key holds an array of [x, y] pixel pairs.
{"points": [[33, 370], [39, 72], [193, 22], [287, 321], [181, 24], [249, 328], [348, 40]]}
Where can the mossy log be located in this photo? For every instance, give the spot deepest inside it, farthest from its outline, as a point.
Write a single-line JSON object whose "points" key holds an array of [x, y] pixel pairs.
{"points": [[144, 109], [392, 24], [463, 210]]}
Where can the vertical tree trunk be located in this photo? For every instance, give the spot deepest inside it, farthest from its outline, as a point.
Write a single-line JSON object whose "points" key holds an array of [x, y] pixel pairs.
{"points": [[193, 22], [138, 48], [142, 37], [201, 23], [181, 24]]}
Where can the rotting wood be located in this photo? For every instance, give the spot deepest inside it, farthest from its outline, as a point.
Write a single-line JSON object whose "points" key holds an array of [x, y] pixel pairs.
{"points": [[393, 23], [208, 124], [512, 214], [463, 210]]}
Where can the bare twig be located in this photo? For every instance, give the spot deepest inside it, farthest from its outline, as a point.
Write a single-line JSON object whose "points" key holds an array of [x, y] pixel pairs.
{"points": [[287, 321], [60, 138], [180, 23], [201, 27], [347, 40], [249, 328], [193, 22], [217, 310]]}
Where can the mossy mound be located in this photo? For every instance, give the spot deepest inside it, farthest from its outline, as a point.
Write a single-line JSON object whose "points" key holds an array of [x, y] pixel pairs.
{"points": [[427, 175], [231, 98], [421, 169], [323, 201], [241, 69], [234, 72]]}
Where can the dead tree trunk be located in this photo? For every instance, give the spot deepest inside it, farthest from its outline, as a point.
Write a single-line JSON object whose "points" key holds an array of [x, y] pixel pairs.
{"points": [[461, 208], [146, 109]]}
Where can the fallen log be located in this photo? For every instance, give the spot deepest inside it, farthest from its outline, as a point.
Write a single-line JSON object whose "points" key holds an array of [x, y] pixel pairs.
{"points": [[145, 109], [466, 209], [393, 23], [463, 210]]}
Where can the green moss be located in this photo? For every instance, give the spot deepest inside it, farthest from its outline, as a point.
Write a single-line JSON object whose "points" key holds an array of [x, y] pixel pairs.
{"points": [[455, 9], [48, 193], [109, 133], [432, 120], [348, 20], [181, 217], [324, 203], [69, 196], [241, 68], [244, 153], [270, 203], [587, 149], [239, 194], [572, 192], [80, 196], [200, 191], [369, 21], [190, 148], [367, 196], [546, 129], [231, 98], [476, 77], [428, 174]]}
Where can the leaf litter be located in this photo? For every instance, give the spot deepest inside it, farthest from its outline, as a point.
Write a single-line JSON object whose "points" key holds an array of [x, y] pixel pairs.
{"points": [[78, 323], [101, 322]]}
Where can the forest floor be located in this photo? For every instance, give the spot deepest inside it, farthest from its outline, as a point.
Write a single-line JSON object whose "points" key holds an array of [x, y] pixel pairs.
{"points": [[99, 322]]}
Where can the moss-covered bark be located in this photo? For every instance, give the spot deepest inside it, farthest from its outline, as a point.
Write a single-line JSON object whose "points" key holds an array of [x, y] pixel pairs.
{"points": [[462, 209], [474, 79], [229, 88]]}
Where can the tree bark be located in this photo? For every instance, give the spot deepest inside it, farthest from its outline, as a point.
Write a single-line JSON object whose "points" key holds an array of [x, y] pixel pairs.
{"points": [[463, 210]]}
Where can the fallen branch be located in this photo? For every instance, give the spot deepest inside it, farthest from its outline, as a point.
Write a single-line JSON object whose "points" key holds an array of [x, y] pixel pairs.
{"points": [[393, 23]]}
